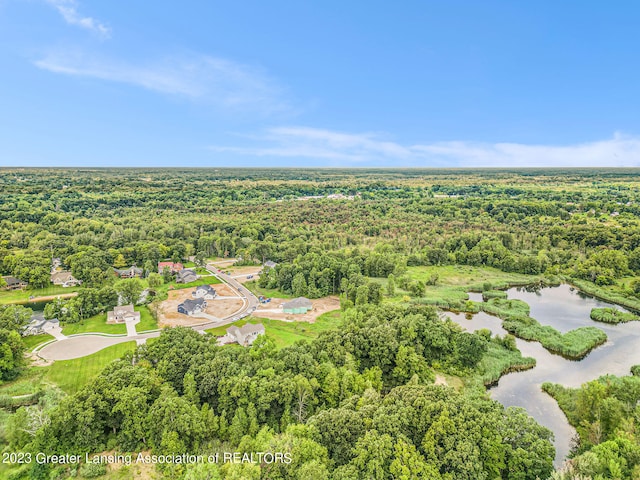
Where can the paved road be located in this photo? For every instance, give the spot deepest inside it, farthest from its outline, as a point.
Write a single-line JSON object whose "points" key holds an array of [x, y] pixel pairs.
{"points": [[85, 344]]}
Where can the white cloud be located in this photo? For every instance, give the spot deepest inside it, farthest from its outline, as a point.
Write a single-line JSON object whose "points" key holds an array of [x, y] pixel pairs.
{"points": [[370, 149], [197, 77], [69, 11]]}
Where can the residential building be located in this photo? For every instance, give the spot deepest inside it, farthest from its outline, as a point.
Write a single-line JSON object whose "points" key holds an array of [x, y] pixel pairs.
{"points": [[204, 291], [186, 276], [64, 279], [297, 305], [192, 307], [55, 264], [270, 264], [246, 334], [130, 272], [14, 283], [122, 314], [39, 325], [173, 267]]}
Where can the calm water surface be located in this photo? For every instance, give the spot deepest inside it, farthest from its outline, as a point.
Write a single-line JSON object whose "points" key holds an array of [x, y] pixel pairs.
{"points": [[565, 309]]}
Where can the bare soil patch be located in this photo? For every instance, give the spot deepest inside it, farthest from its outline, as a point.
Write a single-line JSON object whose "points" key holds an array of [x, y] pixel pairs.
{"points": [[46, 298], [273, 310], [239, 274], [227, 303], [37, 361]]}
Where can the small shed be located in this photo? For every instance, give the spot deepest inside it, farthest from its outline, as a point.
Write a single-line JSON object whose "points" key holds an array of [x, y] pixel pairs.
{"points": [[297, 305]]}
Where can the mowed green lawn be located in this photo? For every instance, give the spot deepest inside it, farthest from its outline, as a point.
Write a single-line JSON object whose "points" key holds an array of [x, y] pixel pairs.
{"points": [[98, 323], [22, 296], [287, 333], [69, 375], [32, 341], [163, 289], [72, 375]]}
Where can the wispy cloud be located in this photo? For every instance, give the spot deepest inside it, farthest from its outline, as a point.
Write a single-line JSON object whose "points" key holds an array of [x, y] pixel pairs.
{"points": [[197, 77], [69, 11], [370, 149]]}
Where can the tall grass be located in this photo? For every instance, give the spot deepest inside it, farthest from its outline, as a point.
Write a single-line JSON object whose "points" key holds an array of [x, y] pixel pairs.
{"points": [[606, 294], [612, 315], [574, 344]]}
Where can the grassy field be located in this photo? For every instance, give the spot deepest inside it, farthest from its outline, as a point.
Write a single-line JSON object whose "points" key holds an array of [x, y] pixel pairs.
{"points": [[72, 375], [162, 291], [147, 322], [32, 341], [287, 333], [69, 375], [267, 292], [470, 278], [29, 382], [22, 296], [98, 323], [454, 281]]}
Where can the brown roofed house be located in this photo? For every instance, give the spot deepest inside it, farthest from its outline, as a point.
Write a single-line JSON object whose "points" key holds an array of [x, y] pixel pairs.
{"points": [[174, 267], [64, 279]]}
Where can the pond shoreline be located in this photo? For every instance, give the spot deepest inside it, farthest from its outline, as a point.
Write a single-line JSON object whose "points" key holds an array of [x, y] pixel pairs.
{"points": [[565, 308]]}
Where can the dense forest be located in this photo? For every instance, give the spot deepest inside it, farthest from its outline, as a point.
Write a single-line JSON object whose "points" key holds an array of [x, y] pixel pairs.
{"points": [[362, 399]]}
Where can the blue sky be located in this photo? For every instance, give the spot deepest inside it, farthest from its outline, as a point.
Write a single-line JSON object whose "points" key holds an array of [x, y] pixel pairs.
{"points": [[445, 83]]}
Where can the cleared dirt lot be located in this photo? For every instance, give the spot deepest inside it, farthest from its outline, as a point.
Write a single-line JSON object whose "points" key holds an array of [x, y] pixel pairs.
{"points": [[239, 274], [273, 310], [227, 303]]}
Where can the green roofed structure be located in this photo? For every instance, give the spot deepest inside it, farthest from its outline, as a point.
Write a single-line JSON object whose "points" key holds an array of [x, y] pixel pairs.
{"points": [[297, 305]]}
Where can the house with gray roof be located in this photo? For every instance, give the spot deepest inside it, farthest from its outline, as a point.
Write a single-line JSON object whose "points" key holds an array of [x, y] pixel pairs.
{"points": [[246, 334], [14, 283], [270, 264], [297, 305], [39, 325], [192, 307], [130, 272], [204, 291], [186, 276]]}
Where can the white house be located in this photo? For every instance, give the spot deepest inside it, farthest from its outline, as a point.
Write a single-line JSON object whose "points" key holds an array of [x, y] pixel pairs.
{"points": [[246, 334], [204, 291], [122, 314]]}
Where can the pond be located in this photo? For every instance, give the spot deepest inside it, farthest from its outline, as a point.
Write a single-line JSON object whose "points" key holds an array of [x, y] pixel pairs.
{"points": [[564, 308]]}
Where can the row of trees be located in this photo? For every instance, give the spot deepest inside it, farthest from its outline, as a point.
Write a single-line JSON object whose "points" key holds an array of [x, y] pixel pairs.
{"points": [[355, 403], [527, 229]]}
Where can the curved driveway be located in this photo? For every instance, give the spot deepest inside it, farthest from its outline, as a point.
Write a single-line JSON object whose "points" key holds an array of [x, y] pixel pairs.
{"points": [[85, 344]]}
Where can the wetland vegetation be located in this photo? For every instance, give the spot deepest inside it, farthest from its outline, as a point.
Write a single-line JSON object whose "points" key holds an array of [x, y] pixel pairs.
{"points": [[396, 248]]}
